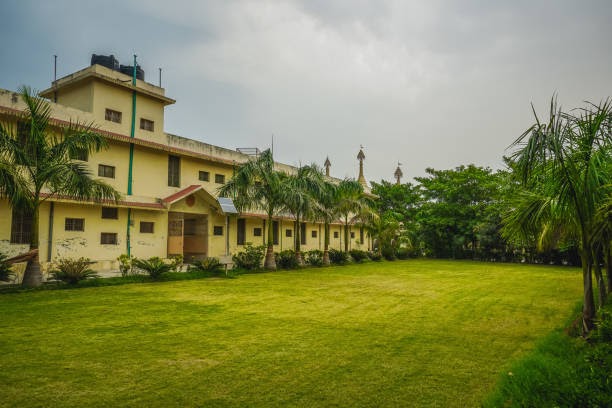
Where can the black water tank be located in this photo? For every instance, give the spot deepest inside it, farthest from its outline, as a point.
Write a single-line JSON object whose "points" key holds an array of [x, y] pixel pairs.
{"points": [[129, 70], [108, 61]]}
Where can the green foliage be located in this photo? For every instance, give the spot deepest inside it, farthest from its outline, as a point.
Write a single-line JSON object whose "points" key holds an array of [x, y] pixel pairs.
{"points": [[375, 256], [207, 265], [562, 371], [405, 253], [358, 255], [388, 253], [72, 271], [155, 267], [176, 263], [125, 264], [286, 259], [314, 257], [250, 258], [6, 274], [338, 257]]}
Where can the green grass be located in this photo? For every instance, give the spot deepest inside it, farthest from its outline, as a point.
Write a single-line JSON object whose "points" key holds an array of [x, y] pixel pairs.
{"points": [[405, 333]]}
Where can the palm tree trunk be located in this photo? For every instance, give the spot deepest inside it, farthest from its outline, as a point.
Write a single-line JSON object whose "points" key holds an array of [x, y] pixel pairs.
{"points": [[326, 244], [33, 275], [588, 307], [346, 234], [298, 241], [270, 262], [608, 264], [601, 285]]}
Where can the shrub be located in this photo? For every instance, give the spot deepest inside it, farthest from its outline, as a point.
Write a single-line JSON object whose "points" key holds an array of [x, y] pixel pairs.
{"points": [[338, 257], [207, 265], [250, 258], [72, 271], [405, 253], [358, 255], [286, 259], [314, 257], [154, 266], [125, 264], [375, 255], [6, 274], [176, 263], [388, 253]]}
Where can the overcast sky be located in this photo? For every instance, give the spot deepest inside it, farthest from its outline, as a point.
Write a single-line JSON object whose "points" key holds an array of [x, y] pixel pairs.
{"points": [[426, 83]]}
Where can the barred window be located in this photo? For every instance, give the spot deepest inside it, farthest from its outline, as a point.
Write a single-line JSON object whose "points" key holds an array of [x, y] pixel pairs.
{"points": [[288, 233], [108, 238], [257, 232], [79, 154], [74, 224], [217, 230], [21, 226], [204, 176], [336, 234], [111, 213], [146, 227], [106, 171], [313, 234], [219, 179], [112, 115], [146, 124], [174, 171]]}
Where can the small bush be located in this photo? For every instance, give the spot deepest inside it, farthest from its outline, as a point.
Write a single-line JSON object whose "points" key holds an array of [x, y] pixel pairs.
{"points": [[338, 257], [314, 257], [358, 255], [72, 271], [125, 264], [388, 254], [207, 265], [155, 267], [250, 258], [176, 263], [404, 253], [375, 255], [6, 274], [286, 259]]}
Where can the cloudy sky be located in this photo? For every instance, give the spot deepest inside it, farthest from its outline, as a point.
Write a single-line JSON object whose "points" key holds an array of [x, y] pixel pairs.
{"points": [[426, 83]]}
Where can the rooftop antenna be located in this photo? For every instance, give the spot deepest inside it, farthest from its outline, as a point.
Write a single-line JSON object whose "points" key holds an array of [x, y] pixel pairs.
{"points": [[160, 77], [54, 76]]}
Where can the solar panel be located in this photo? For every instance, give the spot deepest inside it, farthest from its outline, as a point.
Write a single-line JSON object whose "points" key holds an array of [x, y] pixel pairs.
{"points": [[227, 205]]}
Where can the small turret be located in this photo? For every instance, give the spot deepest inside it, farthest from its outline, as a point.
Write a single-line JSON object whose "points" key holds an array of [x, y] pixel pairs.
{"points": [[398, 174], [361, 158], [327, 165]]}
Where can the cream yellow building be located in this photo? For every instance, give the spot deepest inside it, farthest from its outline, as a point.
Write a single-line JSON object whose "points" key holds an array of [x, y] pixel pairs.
{"points": [[169, 183]]}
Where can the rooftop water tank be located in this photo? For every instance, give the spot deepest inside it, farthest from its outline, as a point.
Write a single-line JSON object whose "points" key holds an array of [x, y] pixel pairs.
{"points": [[108, 61], [129, 70]]}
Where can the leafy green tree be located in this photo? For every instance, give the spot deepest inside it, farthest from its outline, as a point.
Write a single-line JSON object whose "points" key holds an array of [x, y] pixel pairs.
{"points": [[301, 190], [256, 184], [36, 164], [455, 205], [564, 166]]}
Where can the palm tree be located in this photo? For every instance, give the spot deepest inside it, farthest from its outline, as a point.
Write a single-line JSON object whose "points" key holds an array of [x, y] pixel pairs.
{"points": [[563, 166], [325, 211], [36, 164], [349, 202], [257, 185], [301, 189]]}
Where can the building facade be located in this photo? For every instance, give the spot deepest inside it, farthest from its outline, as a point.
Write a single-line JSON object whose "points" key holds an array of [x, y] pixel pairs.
{"points": [[168, 183]]}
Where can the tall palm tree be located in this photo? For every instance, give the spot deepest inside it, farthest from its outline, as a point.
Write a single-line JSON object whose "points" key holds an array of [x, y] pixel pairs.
{"points": [[301, 189], [563, 166], [350, 201], [40, 166], [257, 185], [326, 211]]}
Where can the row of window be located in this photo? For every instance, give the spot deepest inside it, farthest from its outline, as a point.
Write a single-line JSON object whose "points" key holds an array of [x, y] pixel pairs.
{"points": [[78, 224], [105, 170], [115, 116]]}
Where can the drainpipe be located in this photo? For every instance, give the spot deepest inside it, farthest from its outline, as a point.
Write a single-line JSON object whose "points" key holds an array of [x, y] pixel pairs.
{"points": [[131, 162], [50, 243]]}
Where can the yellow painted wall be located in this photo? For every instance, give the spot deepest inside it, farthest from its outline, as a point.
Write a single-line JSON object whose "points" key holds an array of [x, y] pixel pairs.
{"points": [[80, 97]]}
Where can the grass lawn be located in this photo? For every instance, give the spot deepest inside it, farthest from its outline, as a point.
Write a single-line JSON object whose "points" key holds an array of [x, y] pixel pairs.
{"points": [[404, 333]]}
